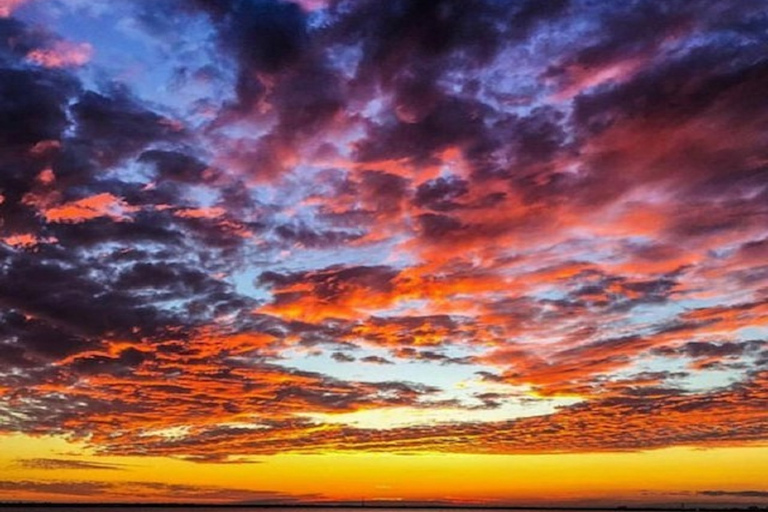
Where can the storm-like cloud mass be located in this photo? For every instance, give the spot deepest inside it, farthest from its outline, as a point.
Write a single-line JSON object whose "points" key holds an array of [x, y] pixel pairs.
{"points": [[243, 227]]}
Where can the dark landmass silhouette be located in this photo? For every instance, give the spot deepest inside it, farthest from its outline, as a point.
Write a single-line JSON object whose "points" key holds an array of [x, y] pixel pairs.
{"points": [[383, 505]]}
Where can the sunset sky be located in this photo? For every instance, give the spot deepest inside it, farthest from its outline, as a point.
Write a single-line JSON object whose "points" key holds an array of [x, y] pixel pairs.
{"points": [[471, 251]]}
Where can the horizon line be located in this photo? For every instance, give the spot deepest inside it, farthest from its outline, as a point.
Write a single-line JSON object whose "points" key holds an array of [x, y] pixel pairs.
{"points": [[380, 505]]}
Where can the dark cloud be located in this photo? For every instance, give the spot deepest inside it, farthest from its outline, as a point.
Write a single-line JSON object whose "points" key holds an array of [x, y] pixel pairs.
{"points": [[16, 40], [118, 126], [57, 487], [437, 226], [308, 237], [271, 37], [439, 194], [33, 108], [617, 293], [742, 494], [40, 338], [376, 360], [307, 99], [66, 299], [122, 364], [341, 357], [697, 349], [453, 121], [382, 192], [633, 29], [176, 166], [65, 464], [404, 35], [412, 354], [149, 491], [266, 35]]}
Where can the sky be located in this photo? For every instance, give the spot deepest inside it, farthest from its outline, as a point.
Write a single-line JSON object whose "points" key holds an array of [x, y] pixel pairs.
{"points": [[460, 251]]}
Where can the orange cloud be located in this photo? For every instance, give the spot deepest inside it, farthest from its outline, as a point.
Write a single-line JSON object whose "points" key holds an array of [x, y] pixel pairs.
{"points": [[200, 213], [21, 241], [93, 207]]}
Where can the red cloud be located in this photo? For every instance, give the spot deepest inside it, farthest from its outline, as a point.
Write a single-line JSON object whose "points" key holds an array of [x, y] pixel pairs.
{"points": [[100, 205]]}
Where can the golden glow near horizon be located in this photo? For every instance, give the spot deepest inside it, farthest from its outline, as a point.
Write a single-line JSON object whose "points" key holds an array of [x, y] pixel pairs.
{"points": [[672, 475], [380, 419]]}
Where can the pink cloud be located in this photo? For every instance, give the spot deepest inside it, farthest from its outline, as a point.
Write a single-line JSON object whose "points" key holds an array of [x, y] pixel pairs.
{"points": [[582, 78], [8, 6], [62, 54], [313, 5]]}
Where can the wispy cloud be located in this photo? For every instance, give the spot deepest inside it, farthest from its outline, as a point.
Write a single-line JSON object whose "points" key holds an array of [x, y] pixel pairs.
{"points": [[65, 464], [147, 491]]}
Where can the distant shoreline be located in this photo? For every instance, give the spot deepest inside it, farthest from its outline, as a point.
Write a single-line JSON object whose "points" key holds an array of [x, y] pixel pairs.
{"points": [[379, 506]]}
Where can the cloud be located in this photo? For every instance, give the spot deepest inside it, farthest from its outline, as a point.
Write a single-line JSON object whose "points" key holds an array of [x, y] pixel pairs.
{"points": [[744, 494], [177, 166], [62, 54], [376, 360], [33, 111], [342, 357], [149, 491], [8, 6], [101, 205], [64, 464], [116, 127], [539, 194], [332, 292]]}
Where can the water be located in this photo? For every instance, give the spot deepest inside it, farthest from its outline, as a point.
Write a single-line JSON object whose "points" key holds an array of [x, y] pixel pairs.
{"points": [[256, 508]]}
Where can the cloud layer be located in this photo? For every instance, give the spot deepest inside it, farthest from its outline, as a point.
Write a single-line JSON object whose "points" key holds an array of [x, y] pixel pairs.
{"points": [[284, 211]]}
